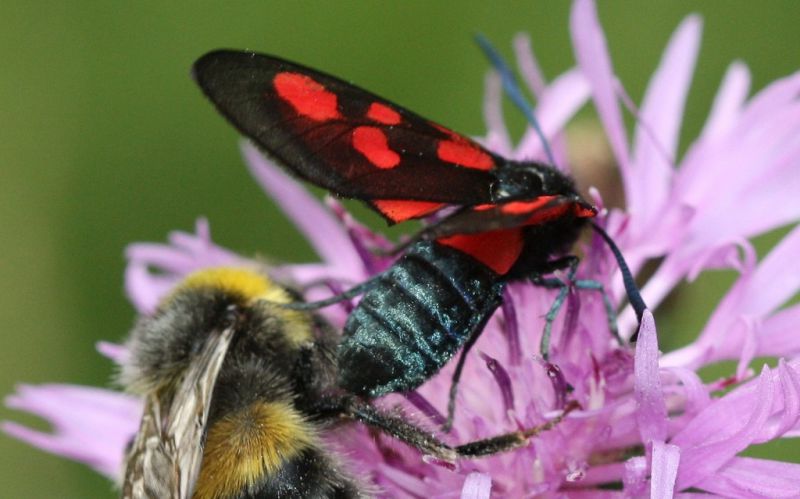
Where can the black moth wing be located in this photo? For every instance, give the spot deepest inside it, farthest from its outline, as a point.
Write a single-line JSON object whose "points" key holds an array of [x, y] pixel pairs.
{"points": [[322, 151]]}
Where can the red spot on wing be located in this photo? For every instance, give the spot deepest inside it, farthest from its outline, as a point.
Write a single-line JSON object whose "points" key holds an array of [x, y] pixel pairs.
{"points": [[522, 207], [464, 153], [513, 208], [555, 209], [585, 211], [383, 114], [547, 214], [399, 210], [373, 144], [543, 209], [497, 249], [307, 96]]}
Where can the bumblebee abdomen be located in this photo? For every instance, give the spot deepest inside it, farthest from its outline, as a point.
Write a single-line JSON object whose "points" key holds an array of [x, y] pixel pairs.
{"points": [[268, 449], [415, 318]]}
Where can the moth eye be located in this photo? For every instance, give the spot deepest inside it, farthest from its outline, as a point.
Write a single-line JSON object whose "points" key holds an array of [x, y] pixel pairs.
{"points": [[518, 183]]}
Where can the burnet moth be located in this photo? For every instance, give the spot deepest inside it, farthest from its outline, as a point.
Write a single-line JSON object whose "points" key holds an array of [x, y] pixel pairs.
{"points": [[510, 220]]}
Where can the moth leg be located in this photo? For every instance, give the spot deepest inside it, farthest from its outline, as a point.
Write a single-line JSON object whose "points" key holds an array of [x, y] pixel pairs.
{"points": [[451, 399], [472, 337], [611, 314], [570, 263]]}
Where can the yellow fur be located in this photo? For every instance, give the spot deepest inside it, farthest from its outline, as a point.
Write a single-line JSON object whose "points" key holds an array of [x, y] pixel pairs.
{"points": [[253, 287], [246, 446], [247, 283]]}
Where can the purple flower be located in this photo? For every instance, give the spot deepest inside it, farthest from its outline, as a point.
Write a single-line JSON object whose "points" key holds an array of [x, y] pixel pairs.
{"points": [[648, 424]]}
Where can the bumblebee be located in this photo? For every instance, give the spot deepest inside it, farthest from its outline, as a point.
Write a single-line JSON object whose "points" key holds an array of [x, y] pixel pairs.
{"points": [[238, 390]]}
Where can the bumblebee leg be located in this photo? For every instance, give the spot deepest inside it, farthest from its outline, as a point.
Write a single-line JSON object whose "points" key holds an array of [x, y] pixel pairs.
{"points": [[426, 442]]}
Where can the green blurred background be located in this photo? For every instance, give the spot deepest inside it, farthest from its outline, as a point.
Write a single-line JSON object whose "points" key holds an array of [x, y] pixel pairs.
{"points": [[105, 141]]}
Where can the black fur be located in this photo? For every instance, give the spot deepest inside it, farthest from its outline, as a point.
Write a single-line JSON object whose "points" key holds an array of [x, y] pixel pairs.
{"points": [[262, 365]]}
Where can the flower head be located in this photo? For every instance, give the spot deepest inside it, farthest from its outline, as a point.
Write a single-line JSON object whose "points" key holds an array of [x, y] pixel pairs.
{"points": [[648, 423]]}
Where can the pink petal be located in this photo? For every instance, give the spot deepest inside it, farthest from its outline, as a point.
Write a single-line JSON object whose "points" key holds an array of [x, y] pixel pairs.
{"points": [[773, 282], [144, 289], [114, 351], [153, 269], [611, 472], [664, 469], [558, 104], [635, 477], [776, 95], [655, 145], [402, 480], [748, 143], [769, 190], [764, 136], [789, 378], [534, 79], [745, 328], [497, 138], [591, 52], [722, 430], [738, 255], [528, 65], [652, 410], [366, 243], [695, 393], [728, 102], [309, 273], [90, 425], [750, 477], [477, 486], [755, 295], [779, 334], [198, 249], [323, 231]]}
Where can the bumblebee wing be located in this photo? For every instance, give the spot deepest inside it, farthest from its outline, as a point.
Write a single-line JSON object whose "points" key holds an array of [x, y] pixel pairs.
{"points": [[189, 410], [149, 471], [166, 454]]}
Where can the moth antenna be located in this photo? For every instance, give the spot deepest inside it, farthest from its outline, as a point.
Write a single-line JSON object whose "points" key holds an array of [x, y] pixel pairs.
{"points": [[513, 91], [631, 289]]}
